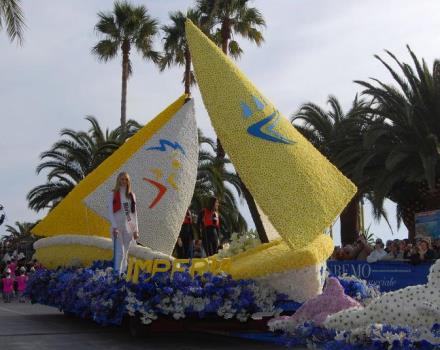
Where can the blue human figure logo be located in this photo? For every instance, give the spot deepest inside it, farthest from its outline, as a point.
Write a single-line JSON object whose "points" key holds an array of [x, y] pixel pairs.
{"points": [[264, 128]]}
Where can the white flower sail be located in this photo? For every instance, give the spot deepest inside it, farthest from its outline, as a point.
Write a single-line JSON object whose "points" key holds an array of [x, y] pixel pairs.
{"points": [[161, 159], [163, 173]]}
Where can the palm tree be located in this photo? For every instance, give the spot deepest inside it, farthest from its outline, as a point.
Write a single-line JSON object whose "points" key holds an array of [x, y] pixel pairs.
{"points": [[20, 237], [126, 27], [176, 51], [331, 132], [403, 138], [2, 214], [73, 158], [11, 16], [232, 17], [228, 18], [21, 229], [213, 182]]}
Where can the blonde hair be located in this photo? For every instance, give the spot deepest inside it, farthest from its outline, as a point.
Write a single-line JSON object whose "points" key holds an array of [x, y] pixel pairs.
{"points": [[118, 186]]}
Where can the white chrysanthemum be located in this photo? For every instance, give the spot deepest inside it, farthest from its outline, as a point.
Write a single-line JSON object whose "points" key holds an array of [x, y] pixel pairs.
{"points": [[417, 307], [239, 243]]}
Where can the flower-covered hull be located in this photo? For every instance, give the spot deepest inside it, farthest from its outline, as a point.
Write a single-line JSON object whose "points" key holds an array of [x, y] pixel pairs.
{"points": [[295, 272], [79, 250], [300, 284]]}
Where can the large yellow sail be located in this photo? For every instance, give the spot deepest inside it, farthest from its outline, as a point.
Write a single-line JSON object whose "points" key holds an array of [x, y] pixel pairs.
{"points": [[298, 189]]}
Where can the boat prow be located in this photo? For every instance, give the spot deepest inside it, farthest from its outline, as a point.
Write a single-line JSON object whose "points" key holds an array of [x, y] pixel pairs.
{"points": [[298, 273]]}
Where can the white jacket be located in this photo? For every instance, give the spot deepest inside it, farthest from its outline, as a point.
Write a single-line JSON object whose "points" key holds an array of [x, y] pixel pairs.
{"points": [[120, 219], [376, 255]]}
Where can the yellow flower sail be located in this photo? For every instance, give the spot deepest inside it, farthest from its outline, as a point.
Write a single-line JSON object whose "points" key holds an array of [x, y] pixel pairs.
{"points": [[298, 189]]}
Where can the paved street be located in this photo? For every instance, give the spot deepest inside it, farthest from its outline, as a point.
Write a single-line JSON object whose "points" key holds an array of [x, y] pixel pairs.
{"points": [[26, 326]]}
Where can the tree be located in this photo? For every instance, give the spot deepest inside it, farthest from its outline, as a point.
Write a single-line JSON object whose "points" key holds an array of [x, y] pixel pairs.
{"points": [[21, 229], [402, 141], [19, 237], [228, 18], [73, 158], [176, 51], [11, 17], [213, 182], [126, 27], [2, 214], [331, 132]]}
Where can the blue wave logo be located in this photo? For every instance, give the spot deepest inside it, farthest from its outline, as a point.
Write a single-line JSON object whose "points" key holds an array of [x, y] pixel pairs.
{"points": [[163, 143]]}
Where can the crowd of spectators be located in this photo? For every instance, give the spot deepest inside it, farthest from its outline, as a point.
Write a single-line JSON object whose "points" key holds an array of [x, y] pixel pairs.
{"points": [[15, 270], [421, 250]]}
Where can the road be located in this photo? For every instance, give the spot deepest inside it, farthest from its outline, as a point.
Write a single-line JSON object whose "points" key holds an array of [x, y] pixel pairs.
{"points": [[26, 326]]}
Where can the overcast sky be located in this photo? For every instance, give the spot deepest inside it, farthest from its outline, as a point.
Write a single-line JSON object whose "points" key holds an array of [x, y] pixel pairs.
{"points": [[312, 49]]}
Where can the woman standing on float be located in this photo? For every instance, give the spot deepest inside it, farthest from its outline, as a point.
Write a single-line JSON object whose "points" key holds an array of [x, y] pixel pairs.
{"points": [[210, 221], [123, 218]]}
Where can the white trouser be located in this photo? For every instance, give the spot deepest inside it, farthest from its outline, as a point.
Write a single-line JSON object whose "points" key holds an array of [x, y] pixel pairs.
{"points": [[121, 245]]}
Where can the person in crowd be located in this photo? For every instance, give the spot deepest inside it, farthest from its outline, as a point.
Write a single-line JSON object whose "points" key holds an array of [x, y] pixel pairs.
{"points": [[210, 221], [21, 284], [21, 263], [179, 249], [8, 286], [336, 253], [36, 264], [361, 250], [31, 271], [388, 245], [346, 252], [13, 266], [7, 257], [124, 223], [198, 251], [423, 252], [186, 235], [436, 247], [403, 249], [378, 253], [394, 253], [410, 251]]}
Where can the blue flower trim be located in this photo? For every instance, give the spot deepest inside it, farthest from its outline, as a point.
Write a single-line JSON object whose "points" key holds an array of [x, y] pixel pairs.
{"points": [[99, 294]]}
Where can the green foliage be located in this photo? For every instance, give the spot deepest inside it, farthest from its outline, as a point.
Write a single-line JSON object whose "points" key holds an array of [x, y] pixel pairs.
{"points": [[11, 17], [400, 150], [72, 158], [175, 47], [123, 28], [369, 236], [230, 18], [214, 179], [19, 237]]}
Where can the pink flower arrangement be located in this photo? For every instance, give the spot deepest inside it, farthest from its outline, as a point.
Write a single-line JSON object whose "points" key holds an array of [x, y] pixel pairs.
{"points": [[332, 300]]}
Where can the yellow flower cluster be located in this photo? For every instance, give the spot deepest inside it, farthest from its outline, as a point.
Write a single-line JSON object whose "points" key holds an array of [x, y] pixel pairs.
{"points": [[71, 255], [299, 190], [277, 256], [81, 250]]}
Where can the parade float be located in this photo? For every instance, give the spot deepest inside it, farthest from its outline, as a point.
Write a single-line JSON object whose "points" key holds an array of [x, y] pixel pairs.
{"points": [[299, 194]]}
